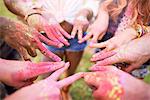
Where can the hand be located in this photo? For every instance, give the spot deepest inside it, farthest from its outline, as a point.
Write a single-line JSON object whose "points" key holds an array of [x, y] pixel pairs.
{"points": [[118, 40], [110, 83], [80, 25], [134, 53], [47, 23], [48, 88], [98, 28], [22, 73], [24, 39]]}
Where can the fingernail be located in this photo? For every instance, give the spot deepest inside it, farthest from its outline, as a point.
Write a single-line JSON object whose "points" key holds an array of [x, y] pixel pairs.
{"points": [[67, 64], [72, 37], [60, 45]]}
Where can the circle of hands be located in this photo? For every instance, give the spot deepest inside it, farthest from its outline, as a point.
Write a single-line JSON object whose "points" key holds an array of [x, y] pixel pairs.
{"points": [[122, 47]]}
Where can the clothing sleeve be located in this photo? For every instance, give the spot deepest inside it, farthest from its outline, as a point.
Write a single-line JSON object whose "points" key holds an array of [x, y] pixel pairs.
{"points": [[92, 5]]}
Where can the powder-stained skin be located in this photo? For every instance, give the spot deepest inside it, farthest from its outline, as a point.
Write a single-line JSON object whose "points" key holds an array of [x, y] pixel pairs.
{"points": [[48, 88], [105, 84], [22, 73], [24, 39], [40, 19]]}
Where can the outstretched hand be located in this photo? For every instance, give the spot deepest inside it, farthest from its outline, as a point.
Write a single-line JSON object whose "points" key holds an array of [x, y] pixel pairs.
{"points": [[24, 39], [110, 83], [97, 30], [48, 88], [47, 23], [22, 73], [135, 53], [119, 39]]}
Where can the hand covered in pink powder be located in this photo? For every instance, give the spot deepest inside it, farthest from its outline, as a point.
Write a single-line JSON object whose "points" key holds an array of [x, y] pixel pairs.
{"points": [[24, 39], [47, 23], [22, 73], [134, 53], [110, 83], [48, 88]]}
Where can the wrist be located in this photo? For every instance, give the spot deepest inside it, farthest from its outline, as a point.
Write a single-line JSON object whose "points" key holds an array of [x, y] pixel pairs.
{"points": [[34, 20]]}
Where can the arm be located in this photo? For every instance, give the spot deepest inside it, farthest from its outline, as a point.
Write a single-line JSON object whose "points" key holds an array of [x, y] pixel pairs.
{"points": [[39, 18], [18, 7]]}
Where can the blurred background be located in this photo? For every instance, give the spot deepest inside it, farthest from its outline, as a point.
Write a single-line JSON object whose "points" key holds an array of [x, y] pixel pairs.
{"points": [[79, 90]]}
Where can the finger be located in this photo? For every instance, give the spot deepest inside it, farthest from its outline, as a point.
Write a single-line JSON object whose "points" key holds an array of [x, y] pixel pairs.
{"points": [[31, 51], [23, 53], [49, 63], [95, 38], [80, 33], [100, 68], [59, 36], [49, 42], [110, 47], [90, 79], [46, 52], [101, 36], [69, 80], [49, 32], [110, 60], [38, 69], [98, 45], [86, 37], [74, 31], [103, 55], [57, 73], [64, 32]]}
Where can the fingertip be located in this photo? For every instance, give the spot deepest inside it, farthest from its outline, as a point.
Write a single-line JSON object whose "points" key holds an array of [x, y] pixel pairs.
{"points": [[67, 64], [72, 36], [60, 45]]}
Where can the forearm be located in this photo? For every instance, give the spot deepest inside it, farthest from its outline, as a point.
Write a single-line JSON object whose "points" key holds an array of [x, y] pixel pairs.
{"points": [[17, 7], [102, 12]]}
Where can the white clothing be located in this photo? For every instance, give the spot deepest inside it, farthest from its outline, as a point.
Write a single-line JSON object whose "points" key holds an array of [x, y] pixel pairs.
{"points": [[66, 10]]}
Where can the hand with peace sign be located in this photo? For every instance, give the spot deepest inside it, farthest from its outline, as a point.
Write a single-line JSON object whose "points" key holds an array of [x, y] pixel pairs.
{"points": [[48, 88]]}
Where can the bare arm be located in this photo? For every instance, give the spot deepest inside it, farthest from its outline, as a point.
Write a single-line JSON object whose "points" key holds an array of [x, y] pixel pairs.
{"points": [[16, 6]]}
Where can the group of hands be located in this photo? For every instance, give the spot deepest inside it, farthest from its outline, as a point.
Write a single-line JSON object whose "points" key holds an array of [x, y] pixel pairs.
{"points": [[123, 47], [102, 80]]}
